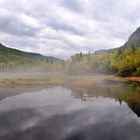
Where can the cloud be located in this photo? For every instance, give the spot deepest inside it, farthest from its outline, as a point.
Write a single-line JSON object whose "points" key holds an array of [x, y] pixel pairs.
{"points": [[64, 27]]}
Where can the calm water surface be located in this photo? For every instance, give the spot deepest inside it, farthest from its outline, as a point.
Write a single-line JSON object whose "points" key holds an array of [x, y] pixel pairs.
{"points": [[63, 114]]}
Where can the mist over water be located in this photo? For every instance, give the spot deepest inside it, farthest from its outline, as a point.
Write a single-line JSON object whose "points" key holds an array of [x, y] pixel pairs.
{"points": [[70, 72], [64, 114]]}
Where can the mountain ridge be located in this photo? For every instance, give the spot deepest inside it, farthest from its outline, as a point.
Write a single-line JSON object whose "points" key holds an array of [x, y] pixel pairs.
{"points": [[4, 50], [133, 41], [121, 61]]}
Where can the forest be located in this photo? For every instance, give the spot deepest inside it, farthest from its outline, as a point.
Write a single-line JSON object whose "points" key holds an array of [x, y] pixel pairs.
{"points": [[123, 61]]}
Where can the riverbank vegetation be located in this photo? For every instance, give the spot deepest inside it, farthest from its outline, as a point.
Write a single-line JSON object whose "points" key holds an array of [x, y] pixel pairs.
{"points": [[121, 61]]}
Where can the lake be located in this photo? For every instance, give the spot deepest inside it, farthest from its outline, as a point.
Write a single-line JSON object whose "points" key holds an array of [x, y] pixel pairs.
{"points": [[100, 113]]}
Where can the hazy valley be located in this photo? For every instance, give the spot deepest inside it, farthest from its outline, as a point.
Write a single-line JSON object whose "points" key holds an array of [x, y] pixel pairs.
{"points": [[91, 94]]}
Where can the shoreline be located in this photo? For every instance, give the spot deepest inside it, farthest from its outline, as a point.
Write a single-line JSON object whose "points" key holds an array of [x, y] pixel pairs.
{"points": [[12, 84], [35, 79]]}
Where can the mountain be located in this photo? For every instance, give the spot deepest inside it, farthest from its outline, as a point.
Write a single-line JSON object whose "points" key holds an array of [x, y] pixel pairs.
{"points": [[105, 51], [14, 53], [126, 59], [122, 61], [17, 59], [133, 42], [135, 38]]}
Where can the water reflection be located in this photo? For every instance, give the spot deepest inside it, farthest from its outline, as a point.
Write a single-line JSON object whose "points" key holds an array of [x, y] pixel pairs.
{"points": [[63, 114], [130, 94]]}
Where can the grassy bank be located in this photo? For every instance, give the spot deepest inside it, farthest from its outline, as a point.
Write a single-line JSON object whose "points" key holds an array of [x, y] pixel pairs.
{"points": [[34, 79], [44, 79]]}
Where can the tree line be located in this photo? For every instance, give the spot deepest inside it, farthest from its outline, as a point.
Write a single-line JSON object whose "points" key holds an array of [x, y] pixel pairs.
{"points": [[124, 61]]}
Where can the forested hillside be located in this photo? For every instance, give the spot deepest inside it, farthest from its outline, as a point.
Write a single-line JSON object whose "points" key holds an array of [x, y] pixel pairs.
{"points": [[122, 61], [13, 59]]}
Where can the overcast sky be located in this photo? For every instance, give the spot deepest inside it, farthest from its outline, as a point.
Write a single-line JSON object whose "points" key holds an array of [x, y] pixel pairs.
{"points": [[61, 28]]}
